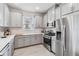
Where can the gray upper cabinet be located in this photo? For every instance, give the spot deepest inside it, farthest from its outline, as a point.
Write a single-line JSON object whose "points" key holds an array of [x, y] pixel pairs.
{"points": [[50, 16], [66, 8], [1, 14], [38, 21], [16, 19], [4, 15], [45, 20], [75, 7], [57, 13]]}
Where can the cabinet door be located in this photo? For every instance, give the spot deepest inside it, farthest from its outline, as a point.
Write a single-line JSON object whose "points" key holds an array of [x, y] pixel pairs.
{"points": [[1, 14], [33, 39], [45, 19], [57, 13], [38, 21], [19, 41], [16, 42], [19, 19], [13, 19], [16, 19], [11, 49], [53, 15], [6, 15], [27, 40], [5, 51], [49, 15], [39, 39], [36, 39], [75, 6], [66, 8]]}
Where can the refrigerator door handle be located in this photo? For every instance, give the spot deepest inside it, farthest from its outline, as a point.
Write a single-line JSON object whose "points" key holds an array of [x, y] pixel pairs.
{"points": [[64, 40]]}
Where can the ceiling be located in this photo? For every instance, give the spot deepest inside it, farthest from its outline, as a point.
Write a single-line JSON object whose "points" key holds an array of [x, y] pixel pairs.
{"points": [[32, 7]]}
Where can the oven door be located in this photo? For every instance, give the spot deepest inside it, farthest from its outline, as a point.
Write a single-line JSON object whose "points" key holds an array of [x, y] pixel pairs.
{"points": [[47, 43]]}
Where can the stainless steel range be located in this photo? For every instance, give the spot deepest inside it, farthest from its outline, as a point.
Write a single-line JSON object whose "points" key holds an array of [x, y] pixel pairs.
{"points": [[47, 42], [49, 38]]}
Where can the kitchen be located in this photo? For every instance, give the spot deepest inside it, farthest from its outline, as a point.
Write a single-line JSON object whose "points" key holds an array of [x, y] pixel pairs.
{"points": [[39, 29]]}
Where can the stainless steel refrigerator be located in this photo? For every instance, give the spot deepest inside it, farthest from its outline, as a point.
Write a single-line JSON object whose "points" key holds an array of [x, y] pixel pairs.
{"points": [[70, 34], [64, 39]]}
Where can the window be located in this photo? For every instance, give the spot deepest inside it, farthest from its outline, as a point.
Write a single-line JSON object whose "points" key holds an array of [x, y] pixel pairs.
{"points": [[28, 22]]}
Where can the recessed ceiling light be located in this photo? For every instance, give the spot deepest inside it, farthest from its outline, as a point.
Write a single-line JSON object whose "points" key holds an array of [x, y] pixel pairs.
{"points": [[37, 8]]}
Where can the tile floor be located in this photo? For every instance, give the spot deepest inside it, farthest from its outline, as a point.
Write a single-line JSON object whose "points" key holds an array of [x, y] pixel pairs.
{"points": [[37, 50]]}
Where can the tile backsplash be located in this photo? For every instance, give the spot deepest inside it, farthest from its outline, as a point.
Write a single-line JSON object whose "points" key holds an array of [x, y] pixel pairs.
{"points": [[1, 32], [20, 31], [23, 31]]}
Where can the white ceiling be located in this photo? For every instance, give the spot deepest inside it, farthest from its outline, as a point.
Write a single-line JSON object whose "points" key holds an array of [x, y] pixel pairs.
{"points": [[32, 7]]}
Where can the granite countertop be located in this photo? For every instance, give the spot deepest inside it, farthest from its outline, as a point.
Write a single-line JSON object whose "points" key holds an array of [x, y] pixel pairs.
{"points": [[5, 41]]}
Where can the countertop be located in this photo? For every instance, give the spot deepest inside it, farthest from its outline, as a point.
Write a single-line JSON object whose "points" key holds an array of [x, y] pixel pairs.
{"points": [[5, 41], [29, 33]]}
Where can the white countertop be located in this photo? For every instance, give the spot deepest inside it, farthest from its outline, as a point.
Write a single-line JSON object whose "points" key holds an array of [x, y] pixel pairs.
{"points": [[29, 33], [5, 41]]}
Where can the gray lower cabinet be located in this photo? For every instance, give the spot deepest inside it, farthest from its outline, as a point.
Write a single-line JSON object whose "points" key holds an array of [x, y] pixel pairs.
{"points": [[36, 39], [27, 40], [19, 41], [8, 49], [39, 38], [5, 51], [11, 47], [33, 39]]}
